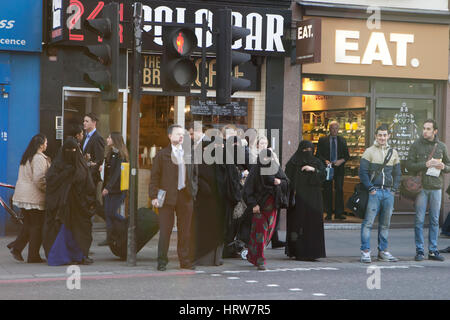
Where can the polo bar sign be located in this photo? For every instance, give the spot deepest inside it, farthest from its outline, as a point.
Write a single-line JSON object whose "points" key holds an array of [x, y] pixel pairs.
{"points": [[267, 26], [309, 39]]}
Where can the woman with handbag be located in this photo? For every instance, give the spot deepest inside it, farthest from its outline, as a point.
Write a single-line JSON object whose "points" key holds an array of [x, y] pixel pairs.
{"points": [[265, 191], [29, 196], [71, 201], [113, 196], [305, 233]]}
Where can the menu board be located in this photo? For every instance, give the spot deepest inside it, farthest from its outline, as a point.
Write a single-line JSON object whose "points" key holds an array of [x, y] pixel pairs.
{"points": [[207, 108]]}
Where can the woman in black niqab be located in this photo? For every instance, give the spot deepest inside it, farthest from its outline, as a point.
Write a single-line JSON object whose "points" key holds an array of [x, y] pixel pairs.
{"points": [[305, 233], [70, 199]]}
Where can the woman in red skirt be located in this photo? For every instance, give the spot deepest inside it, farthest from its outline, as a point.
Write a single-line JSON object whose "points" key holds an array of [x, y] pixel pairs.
{"points": [[265, 190]]}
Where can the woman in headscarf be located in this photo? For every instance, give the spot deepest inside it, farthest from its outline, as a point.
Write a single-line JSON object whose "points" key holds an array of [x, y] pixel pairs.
{"points": [[265, 191], [305, 233], [70, 202]]}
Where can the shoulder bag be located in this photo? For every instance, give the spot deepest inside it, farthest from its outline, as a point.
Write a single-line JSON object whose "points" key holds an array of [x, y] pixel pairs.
{"points": [[357, 203], [411, 186]]}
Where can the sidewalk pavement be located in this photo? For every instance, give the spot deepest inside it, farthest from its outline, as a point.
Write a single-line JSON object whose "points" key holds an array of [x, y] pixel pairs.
{"points": [[342, 247]]}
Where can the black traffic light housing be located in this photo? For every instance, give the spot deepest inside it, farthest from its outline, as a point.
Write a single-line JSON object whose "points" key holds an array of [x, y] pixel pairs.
{"points": [[106, 76], [226, 58], [178, 71]]}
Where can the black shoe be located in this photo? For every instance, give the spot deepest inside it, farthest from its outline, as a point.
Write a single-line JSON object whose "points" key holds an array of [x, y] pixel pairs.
{"points": [[278, 244], [103, 243], [87, 261], [435, 256], [261, 267], [16, 255], [340, 217], [162, 267], [446, 250]]}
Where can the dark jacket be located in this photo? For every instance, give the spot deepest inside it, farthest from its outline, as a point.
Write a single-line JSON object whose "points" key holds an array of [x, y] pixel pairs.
{"points": [[258, 188], [96, 148], [164, 176], [372, 160], [323, 152], [113, 166], [418, 156]]}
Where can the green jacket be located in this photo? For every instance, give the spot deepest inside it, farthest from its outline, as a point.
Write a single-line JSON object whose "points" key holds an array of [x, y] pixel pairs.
{"points": [[418, 156]]}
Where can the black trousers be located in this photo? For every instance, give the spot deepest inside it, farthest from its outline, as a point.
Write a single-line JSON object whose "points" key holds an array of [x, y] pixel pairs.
{"points": [[446, 226], [183, 208], [31, 233], [338, 181]]}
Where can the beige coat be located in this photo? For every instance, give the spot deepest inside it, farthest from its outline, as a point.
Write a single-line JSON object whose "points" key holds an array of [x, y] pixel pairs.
{"points": [[30, 186]]}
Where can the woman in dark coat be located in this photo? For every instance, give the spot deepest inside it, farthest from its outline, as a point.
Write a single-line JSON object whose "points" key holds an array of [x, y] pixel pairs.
{"points": [[209, 215], [70, 202], [265, 192], [305, 233]]}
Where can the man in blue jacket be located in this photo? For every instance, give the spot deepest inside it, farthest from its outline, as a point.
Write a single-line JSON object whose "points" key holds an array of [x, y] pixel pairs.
{"points": [[382, 186]]}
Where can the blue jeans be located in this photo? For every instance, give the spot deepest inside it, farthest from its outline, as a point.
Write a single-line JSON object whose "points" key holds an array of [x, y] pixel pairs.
{"points": [[434, 198], [112, 203], [380, 203]]}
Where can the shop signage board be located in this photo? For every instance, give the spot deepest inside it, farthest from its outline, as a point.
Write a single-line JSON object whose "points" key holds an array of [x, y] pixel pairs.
{"points": [[396, 49], [21, 25], [151, 73], [308, 43], [208, 108], [268, 26]]}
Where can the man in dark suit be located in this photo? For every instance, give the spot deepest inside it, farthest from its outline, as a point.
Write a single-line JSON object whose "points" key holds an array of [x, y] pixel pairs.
{"points": [[93, 146], [172, 173], [333, 150]]}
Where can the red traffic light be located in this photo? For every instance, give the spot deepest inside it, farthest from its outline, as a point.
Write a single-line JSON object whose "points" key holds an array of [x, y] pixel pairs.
{"points": [[183, 41]]}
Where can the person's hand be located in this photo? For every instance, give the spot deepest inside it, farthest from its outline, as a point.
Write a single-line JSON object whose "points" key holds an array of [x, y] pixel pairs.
{"points": [[256, 209], [374, 192], [327, 162], [155, 202], [277, 182], [337, 163], [100, 168], [245, 173], [440, 166], [432, 163], [105, 192], [308, 168]]}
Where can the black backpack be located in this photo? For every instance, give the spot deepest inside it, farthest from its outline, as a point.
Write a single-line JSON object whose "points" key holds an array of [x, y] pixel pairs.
{"points": [[357, 203]]}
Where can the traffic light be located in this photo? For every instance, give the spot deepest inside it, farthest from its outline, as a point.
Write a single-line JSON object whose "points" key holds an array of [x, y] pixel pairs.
{"points": [[227, 59], [106, 75], [178, 71]]}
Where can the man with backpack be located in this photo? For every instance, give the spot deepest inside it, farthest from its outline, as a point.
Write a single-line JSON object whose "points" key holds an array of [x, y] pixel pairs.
{"points": [[380, 174], [429, 157]]}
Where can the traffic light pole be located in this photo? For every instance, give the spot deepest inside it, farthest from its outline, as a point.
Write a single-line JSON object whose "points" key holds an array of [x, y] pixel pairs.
{"points": [[134, 140]]}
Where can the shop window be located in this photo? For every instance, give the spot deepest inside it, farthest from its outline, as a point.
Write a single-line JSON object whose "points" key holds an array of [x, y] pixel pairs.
{"points": [[77, 104], [321, 83], [157, 114], [405, 87], [349, 112]]}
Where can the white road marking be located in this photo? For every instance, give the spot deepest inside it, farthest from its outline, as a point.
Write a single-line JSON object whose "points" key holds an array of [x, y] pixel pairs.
{"points": [[233, 278], [295, 289], [273, 285], [319, 294], [251, 281]]}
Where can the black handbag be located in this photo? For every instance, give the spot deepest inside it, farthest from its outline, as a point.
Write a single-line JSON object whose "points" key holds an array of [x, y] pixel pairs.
{"points": [[357, 203]]}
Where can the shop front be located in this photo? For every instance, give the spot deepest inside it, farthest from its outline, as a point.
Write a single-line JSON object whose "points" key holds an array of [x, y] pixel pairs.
{"points": [[67, 98], [394, 75]]}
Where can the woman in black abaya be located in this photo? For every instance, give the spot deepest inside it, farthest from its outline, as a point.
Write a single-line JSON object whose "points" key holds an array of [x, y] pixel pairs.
{"points": [[70, 202], [305, 233]]}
